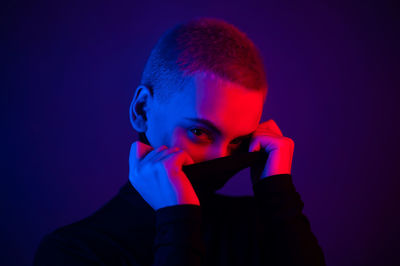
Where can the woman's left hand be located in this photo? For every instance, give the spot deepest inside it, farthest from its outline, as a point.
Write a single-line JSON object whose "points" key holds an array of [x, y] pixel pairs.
{"points": [[269, 137]]}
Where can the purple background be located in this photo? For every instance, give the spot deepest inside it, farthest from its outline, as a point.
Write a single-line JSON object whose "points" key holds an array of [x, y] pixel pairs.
{"points": [[71, 71]]}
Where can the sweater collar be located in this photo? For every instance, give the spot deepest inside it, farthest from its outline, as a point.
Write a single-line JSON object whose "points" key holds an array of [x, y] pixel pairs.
{"points": [[208, 176]]}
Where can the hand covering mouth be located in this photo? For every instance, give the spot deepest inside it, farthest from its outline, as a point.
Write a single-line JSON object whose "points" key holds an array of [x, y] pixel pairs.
{"points": [[209, 176]]}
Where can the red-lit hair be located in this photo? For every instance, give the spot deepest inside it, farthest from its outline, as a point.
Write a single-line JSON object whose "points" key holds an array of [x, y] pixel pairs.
{"points": [[201, 45]]}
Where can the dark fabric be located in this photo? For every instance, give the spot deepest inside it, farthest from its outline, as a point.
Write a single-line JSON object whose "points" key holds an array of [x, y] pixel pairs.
{"points": [[267, 229], [209, 176]]}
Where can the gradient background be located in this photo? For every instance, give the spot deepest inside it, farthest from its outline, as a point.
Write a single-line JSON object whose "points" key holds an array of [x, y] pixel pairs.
{"points": [[71, 70]]}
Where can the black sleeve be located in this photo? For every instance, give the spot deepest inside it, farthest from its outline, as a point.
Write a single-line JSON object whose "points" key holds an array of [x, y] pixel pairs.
{"points": [[287, 228], [177, 241], [178, 238], [56, 250]]}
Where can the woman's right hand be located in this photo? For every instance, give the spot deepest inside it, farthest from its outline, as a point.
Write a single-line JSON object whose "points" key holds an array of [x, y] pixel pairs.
{"points": [[158, 177]]}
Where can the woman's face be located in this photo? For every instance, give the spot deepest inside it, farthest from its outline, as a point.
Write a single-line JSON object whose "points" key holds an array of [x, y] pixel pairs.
{"points": [[232, 111]]}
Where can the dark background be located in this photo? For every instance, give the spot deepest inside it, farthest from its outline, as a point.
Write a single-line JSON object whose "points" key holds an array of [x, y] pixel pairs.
{"points": [[70, 70]]}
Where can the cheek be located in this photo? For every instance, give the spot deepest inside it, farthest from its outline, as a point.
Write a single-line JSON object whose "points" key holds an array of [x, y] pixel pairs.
{"points": [[181, 139]]}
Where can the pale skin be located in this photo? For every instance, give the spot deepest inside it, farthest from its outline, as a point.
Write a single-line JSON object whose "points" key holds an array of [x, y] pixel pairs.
{"points": [[156, 172]]}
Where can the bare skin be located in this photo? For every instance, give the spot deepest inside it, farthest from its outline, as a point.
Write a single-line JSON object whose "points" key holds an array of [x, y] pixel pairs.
{"points": [[177, 139]]}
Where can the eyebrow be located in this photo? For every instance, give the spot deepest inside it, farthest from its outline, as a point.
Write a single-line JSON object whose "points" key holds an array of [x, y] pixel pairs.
{"points": [[211, 126]]}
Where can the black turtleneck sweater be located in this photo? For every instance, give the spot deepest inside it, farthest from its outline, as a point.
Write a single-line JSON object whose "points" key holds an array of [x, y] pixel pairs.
{"points": [[267, 229]]}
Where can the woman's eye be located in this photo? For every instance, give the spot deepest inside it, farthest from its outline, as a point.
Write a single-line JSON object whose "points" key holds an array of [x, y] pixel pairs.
{"points": [[198, 132], [237, 141]]}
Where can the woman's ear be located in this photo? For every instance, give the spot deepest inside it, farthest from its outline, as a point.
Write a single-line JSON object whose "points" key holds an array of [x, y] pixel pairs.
{"points": [[138, 109]]}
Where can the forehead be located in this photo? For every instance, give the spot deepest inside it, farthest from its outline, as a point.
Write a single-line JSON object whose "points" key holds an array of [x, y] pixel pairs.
{"points": [[234, 109]]}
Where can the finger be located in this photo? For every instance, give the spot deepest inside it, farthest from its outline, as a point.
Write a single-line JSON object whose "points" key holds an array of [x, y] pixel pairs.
{"points": [[180, 157], [265, 142], [255, 146], [163, 153], [138, 151], [153, 155], [274, 128], [268, 127], [141, 149]]}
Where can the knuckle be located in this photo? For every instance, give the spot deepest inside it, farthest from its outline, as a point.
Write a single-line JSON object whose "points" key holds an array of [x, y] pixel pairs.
{"points": [[161, 148], [289, 142]]}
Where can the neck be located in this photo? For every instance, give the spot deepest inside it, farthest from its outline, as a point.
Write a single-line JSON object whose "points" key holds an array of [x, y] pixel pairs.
{"points": [[143, 138]]}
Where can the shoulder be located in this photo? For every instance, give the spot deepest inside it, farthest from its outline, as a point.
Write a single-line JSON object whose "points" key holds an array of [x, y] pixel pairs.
{"points": [[68, 244], [99, 237]]}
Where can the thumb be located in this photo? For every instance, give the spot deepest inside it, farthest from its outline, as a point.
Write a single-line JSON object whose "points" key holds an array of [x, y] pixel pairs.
{"points": [[254, 145]]}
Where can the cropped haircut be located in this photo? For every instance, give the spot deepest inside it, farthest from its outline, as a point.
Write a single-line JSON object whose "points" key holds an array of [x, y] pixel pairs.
{"points": [[203, 45]]}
